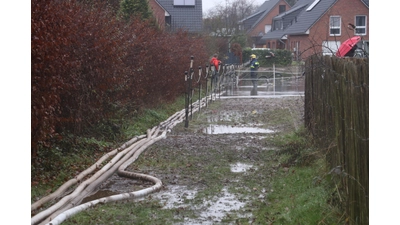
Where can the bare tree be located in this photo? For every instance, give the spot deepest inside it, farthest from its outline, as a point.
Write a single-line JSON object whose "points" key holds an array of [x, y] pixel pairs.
{"points": [[223, 19], [221, 23]]}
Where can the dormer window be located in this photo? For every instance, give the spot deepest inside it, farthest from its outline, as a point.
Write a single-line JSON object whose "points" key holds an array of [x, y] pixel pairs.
{"points": [[278, 25], [184, 2]]}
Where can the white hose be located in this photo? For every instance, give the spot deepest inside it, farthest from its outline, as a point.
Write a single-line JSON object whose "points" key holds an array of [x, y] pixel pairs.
{"points": [[65, 208]]}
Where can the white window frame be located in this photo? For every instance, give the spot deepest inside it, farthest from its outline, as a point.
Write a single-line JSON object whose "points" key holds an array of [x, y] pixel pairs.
{"points": [[333, 26], [184, 2], [267, 28], [360, 26]]}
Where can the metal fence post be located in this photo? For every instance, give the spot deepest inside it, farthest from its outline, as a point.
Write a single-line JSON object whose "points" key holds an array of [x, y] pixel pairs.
{"points": [[190, 86], [199, 82], [186, 100], [206, 76]]}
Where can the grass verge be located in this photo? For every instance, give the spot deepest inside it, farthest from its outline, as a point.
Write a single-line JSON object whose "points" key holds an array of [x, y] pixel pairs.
{"points": [[281, 187], [73, 155]]}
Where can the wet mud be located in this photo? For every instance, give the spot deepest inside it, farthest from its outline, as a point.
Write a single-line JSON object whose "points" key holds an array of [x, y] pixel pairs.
{"points": [[219, 165]]}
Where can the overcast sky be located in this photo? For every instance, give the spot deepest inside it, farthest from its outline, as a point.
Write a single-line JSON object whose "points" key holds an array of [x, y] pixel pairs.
{"points": [[208, 4]]}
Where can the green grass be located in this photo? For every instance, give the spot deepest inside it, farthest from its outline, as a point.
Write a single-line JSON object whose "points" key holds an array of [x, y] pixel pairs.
{"points": [[143, 212], [73, 155], [295, 199], [151, 117], [57, 168], [285, 176], [291, 194]]}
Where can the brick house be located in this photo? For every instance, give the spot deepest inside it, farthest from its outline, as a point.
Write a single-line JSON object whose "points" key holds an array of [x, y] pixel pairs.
{"points": [[259, 23], [318, 26], [173, 15], [160, 13]]}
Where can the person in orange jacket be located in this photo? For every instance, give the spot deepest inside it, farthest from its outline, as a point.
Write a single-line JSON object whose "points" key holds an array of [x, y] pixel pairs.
{"points": [[215, 75]]}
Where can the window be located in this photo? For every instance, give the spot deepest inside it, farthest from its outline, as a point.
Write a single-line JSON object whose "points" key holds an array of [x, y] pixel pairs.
{"points": [[184, 2], [334, 26], [278, 25], [330, 47], [361, 25], [293, 21], [282, 8], [267, 28]]}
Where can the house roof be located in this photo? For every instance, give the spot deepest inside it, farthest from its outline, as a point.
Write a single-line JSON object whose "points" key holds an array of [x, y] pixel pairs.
{"points": [[310, 12], [165, 10], [310, 15], [189, 18], [258, 13], [292, 10], [262, 11]]}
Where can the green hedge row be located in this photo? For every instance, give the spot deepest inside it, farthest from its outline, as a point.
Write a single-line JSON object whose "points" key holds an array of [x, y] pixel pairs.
{"points": [[282, 57]]}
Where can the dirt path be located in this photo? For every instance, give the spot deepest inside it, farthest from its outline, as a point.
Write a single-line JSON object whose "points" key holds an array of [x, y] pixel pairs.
{"points": [[212, 171]]}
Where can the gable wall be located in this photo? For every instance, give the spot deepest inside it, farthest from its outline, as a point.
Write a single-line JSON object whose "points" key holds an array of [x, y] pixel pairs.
{"points": [[347, 9], [158, 13], [260, 27], [189, 18], [304, 46]]}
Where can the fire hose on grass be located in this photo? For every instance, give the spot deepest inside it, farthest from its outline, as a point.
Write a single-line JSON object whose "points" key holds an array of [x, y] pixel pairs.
{"points": [[61, 190], [69, 205], [88, 185], [121, 172]]}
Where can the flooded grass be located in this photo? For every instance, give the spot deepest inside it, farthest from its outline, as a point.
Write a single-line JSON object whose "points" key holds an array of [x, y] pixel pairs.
{"points": [[281, 86], [215, 209], [224, 129], [240, 167], [225, 178]]}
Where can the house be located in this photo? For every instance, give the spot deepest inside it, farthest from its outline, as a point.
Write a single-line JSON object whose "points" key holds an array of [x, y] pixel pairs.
{"points": [[259, 23], [173, 15], [160, 14], [318, 26]]}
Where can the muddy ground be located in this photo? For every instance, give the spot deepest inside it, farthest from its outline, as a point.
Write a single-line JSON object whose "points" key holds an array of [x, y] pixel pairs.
{"points": [[218, 169]]}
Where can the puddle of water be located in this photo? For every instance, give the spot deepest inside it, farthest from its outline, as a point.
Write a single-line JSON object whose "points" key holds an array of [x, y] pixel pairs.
{"points": [[211, 211], [240, 167], [175, 196], [282, 87], [218, 208], [223, 129], [227, 116]]}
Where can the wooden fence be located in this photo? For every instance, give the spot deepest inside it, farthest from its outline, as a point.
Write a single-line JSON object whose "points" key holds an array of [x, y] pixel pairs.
{"points": [[337, 115]]}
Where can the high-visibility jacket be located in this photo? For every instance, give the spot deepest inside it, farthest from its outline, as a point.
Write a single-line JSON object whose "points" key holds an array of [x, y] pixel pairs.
{"points": [[254, 64]]}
